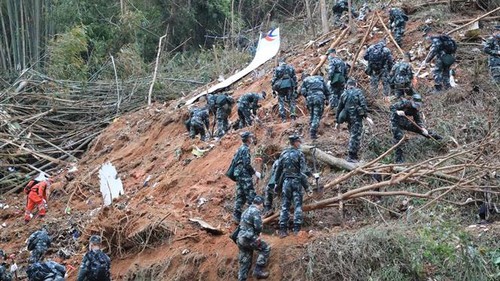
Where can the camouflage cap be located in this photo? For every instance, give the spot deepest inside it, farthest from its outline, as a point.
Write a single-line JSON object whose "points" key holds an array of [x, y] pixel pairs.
{"points": [[258, 200], [294, 138], [331, 51], [245, 135], [416, 101], [95, 239]]}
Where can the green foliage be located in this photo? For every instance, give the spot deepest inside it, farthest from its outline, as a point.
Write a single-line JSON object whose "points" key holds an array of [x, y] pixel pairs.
{"points": [[66, 55]]}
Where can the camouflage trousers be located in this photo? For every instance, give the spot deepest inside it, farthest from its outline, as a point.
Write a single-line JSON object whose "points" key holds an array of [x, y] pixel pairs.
{"points": [[245, 256], [337, 22], [292, 191], [398, 126], [401, 89], [268, 197], [337, 90], [197, 128], [37, 254], [222, 123], [286, 96], [398, 33], [245, 116], [494, 64], [355, 132], [245, 192], [441, 73], [316, 106], [375, 77]]}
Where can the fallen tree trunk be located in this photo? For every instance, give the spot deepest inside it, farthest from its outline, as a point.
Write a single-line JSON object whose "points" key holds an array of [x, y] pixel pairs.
{"points": [[328, 159], [333, 45], [468, 20], [473, 21]]}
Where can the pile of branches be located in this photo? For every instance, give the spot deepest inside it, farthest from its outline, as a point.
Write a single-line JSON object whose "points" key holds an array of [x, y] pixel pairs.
{"points": [[46, 123]]}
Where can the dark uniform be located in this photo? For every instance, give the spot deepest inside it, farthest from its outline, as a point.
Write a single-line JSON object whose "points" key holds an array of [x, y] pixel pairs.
{"points": [[339, 8], [223, 105], [316, 92], [443, 48], [353, 108], [198, 122], [249, 241], [492, 48], [95, 264], [292, 172], [248, 104], [38, 243], [380, 63], [337, 74], [401, 123], [4, 271], [245, 191], [284, 82], [401, 78], [270, 191], [47, 271], [397, 21]]}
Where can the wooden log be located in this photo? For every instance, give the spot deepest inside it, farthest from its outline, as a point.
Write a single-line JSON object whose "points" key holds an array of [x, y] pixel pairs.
{"points": [[333, 45], [390, 35], [329, 159], [473, 21], [468, 20]]}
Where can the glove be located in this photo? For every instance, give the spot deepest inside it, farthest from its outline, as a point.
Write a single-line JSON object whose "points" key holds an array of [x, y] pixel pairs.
{"points": [[258, 175], [336, 126], [400, 113], [425, 132], [370, 121], [316, 175], [13, 268]]}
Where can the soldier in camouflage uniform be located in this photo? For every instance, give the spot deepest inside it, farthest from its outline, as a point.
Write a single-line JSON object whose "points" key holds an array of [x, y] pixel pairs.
{"points": [[338, 9], [337, 76], [245, 191], [365, 9], [47, 271], [5, 275], [95, 264], [284, 82], [292, 171], [198, 122], [223, 104], [249, 240], [401, 78], [270, 190], [443, 48], [492, 48], [401, 112], [397, 21], [248, 105], [316, 92], [380, 63], [38, 243], [352, 109]]}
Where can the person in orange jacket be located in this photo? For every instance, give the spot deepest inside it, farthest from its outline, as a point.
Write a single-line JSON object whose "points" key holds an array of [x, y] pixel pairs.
{"points": [[37, 196]]}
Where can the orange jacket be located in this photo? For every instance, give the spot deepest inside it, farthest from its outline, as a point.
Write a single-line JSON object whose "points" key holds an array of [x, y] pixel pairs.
{"points": [[40, 188]]}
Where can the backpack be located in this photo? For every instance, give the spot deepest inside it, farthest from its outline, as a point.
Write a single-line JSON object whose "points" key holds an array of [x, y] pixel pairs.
{"points": [[98, 267], [38, 271], [33, 241], [449, 45], [376, 56], [285, 79], [230, 171]]}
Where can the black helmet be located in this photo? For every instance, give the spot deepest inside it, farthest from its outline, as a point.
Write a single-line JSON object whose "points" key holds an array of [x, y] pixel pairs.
{"points": [[245, 135], [294, 138], [258, 200], [95, 239]]}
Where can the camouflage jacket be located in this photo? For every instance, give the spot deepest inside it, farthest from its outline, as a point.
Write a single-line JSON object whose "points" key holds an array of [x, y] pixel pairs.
{"points": [[48, 270], [284, 74], [341, 6], [272, 178], [244, 166], [89, 261], [397, 17], [250, 223], [200, 116], [292, 164], [4, 273], [337, 65], [409, 110], [437, 48], [315, 86], [250, 100], [401, 73], [39, 239], [224, 102], [211, 98], [379, 57], [353, 103], [492, 47]]}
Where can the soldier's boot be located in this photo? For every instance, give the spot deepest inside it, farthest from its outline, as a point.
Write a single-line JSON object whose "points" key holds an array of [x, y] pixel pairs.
{"points": [[352, 157], [283, 232], [260, 273], [296, 229]]}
